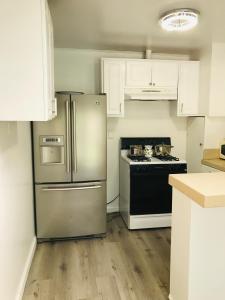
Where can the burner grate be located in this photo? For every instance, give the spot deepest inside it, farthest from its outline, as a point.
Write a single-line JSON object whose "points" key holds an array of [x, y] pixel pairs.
{"points": [[167, 158], [138, 158]]}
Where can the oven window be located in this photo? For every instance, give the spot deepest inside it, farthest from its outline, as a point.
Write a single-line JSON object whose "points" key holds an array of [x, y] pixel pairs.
{"points": [[150, 193]]}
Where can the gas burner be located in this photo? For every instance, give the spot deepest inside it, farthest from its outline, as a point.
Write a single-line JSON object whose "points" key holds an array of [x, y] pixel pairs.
{"points": [[167, 158], [140, 158]]}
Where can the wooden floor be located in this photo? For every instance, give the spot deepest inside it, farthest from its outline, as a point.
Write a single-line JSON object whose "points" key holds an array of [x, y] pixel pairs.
{"points": [[126, 265]]}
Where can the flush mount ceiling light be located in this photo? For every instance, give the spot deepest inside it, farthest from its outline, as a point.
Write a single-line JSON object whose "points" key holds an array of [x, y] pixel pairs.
{"points": [[179, 19]]}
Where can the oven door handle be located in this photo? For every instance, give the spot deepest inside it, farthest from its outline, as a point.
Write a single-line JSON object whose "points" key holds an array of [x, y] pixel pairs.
{"points": [[151, 173]]}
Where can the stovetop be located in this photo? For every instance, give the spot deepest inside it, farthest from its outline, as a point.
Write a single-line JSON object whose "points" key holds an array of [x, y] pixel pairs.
{"points": [[139, 158], [142, 160], [167, 158], [125, 144]]}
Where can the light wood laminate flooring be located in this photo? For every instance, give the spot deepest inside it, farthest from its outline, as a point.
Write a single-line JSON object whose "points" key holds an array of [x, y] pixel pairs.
{"points": [[126, 265]]}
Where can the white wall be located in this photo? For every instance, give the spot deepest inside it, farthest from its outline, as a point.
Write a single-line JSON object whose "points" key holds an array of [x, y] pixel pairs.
{"points": [[212, 73], [17, 239], [205, 76], [79, 70], [214, 131], [209, 131], [143, 119]]}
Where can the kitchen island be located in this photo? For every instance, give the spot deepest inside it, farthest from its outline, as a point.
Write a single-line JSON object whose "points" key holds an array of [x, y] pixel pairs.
{"points": [[198, 240]]}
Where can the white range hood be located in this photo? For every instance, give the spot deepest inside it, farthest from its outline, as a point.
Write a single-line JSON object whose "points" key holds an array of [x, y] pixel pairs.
{"points": [[151, 94]]}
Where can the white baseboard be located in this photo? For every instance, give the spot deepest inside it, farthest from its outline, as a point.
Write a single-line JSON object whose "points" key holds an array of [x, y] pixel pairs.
{"points": [[27, 266], [149, 221], [111, 209]]}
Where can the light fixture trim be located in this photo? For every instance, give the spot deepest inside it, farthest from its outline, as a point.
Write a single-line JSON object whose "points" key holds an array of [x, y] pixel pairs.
{"points": [[179, 19]]}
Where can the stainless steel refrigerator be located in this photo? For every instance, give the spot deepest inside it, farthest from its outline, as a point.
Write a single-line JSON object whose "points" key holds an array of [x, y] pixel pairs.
{"points": [[70, 168]]}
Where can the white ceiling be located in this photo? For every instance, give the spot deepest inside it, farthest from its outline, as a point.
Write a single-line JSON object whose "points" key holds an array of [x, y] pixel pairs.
{"points": [[133, 24]]}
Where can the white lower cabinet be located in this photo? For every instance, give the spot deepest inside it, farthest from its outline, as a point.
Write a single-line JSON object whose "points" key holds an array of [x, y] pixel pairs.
{"points": [[197, 267], [113, 80], [207, 169], [26, 59]]}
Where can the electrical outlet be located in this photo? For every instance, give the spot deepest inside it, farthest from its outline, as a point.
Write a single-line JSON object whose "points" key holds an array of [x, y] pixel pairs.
{"points": [[110, 135]]}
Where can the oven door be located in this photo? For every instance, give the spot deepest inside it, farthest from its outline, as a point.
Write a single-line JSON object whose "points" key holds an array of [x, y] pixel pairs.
{"points": [[150, 192]]}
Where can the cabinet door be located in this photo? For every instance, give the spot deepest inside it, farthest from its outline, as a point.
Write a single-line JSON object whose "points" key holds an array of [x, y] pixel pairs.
{"points": [[138, 73], [49, 63], [188, 89], [206, 169], [195, 143], [113, 77], [23, 79], [164, 73]]}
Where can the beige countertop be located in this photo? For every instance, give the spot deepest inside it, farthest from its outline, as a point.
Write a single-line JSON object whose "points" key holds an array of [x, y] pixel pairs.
{"points": [[206, 189], [211, 159], [216, 163]]}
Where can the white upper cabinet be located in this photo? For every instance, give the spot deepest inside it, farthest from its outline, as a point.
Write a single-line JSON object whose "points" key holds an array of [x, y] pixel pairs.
{"points": [[148, 73], [26, 59], [113, 81], [188, 88], [49, 62], [138, 73], [165, 73], [121, 74]]}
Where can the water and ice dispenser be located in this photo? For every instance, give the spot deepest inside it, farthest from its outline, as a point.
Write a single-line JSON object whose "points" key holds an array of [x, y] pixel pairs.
{"points": [[52, 149]]}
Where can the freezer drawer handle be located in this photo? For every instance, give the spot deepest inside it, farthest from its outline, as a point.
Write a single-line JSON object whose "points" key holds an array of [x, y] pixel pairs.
{"points": [[73, 188]]}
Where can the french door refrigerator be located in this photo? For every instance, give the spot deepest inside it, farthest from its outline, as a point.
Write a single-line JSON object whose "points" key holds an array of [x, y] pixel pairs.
{"points": [[70, 168]]}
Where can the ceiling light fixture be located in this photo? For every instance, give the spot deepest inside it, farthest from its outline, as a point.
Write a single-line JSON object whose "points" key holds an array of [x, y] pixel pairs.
{"points": [[179, 19]]}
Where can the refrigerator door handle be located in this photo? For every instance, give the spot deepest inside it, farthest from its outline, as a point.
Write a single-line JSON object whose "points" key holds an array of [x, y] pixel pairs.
{"points": [[74, 142], [72, 188], [67, 138]]}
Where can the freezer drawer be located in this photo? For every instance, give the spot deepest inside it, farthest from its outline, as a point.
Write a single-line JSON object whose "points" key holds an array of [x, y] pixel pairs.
{"points": [[70, 210]]}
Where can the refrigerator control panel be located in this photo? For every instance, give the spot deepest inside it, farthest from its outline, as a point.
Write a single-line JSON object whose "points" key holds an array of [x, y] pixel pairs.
{"points": [[52, 140], [52, 149]]}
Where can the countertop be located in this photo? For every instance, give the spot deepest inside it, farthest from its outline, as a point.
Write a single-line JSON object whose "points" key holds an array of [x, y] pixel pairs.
{"points": [[216, 163], [206, 189], [211, 159]]}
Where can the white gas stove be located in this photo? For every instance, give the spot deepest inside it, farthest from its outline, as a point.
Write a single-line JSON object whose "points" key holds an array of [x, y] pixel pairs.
{"points": [[145, 195]]}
